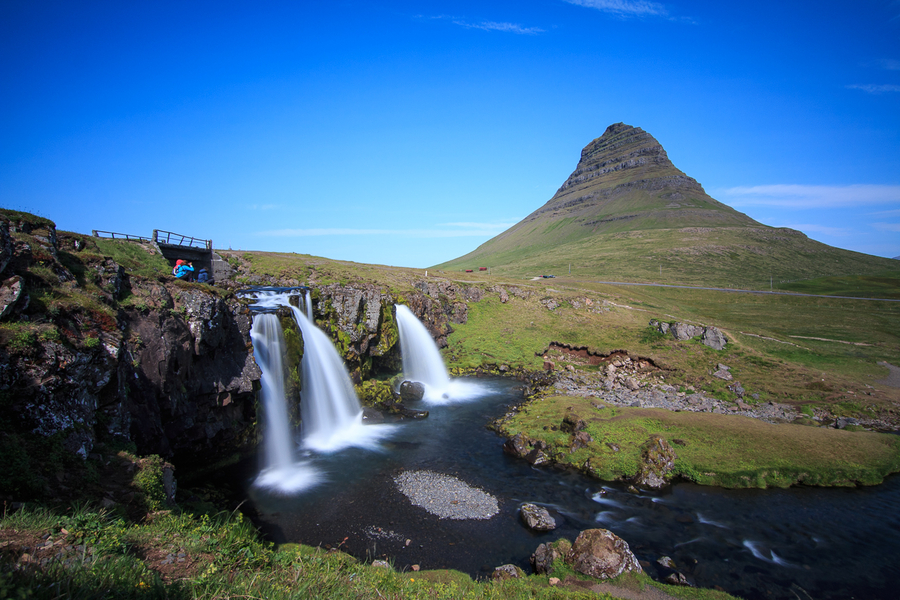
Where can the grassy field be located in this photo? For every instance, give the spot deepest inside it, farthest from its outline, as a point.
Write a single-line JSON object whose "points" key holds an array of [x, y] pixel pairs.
{"points": [[753, 258], [792, 349], [712, 449]]}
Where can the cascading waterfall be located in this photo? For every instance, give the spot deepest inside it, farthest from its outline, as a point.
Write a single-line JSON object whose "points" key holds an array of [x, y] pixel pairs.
{"points": [[421, 359], [268, 341], [422, 362], [280, 470], [332, 415], [330, 411], [309, 311]]}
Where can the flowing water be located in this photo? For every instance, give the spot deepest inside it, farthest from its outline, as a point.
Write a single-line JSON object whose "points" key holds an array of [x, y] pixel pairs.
{"points": [[829, 543], [330, 411], [422, 361], [340, 491]]}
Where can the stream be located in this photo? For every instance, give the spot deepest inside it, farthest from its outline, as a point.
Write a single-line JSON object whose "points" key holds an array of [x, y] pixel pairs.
{"points": [[795, 543]]}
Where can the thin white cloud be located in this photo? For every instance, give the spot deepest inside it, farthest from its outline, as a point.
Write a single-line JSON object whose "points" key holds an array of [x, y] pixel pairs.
{"points": [[890, 64], [624, 7], [886, 213], [502, 27], [810, 196], [871, 88], [887, 226], [486, 25], [444, 230]]}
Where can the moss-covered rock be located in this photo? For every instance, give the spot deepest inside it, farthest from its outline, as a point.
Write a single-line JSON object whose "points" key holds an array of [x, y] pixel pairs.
{"points": [[376, 393]]}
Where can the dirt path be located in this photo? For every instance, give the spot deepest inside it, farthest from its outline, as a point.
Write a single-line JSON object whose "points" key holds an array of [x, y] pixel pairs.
{"points": [[893, 378]]}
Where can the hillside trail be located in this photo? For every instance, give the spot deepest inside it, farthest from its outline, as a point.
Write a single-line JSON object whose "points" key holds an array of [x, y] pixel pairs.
{"points": [[893, 378]]}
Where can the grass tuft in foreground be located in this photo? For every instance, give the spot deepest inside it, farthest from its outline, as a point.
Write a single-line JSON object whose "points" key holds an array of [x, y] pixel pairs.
{"points": [[90, 554]]}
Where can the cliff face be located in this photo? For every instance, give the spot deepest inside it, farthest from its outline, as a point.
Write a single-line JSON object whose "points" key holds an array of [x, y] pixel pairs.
{"points": [[100, 348], [93, 354]]}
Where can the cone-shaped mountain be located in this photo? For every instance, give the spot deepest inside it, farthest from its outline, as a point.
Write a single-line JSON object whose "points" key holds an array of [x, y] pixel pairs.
{"points": [[625, 180], [627, 213]]}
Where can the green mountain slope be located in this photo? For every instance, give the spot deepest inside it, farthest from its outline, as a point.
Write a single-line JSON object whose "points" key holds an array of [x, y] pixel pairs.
{"points": [[627, 213]]}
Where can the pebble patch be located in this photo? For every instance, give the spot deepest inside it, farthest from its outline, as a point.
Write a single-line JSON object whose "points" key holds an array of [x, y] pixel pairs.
{"points": [[446, 496]]}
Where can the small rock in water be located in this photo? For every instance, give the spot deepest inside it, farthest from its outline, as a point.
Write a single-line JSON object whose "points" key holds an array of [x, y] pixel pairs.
{"points": [[537, 517], [667, 562], [410, 391]]}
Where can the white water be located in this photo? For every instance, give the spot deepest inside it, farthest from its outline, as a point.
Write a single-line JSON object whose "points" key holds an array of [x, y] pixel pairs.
{"points": [[280, 470], [422, 362], [330, 411], [332, 415], [309, 311]]}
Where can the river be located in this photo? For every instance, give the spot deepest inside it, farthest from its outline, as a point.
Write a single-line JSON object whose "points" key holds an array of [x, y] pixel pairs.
{"points": [[825, 543]]}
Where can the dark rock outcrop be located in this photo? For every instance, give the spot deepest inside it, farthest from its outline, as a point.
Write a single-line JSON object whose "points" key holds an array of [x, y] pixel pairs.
{"points": [[543, 557], [171, 371], [657, 463]]}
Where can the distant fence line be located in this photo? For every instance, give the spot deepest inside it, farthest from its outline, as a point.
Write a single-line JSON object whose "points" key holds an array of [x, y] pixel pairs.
{"points": [[159, 237], [119, 236]]}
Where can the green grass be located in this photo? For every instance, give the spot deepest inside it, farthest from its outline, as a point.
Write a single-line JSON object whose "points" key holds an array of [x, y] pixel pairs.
{"points": [[876, 285], [735, 257], [769, 349], [723, 450], [110, 557]]}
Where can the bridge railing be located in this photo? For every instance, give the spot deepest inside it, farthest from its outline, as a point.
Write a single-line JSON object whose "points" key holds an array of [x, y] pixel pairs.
{"points": [[177, 239], [119, 236]]}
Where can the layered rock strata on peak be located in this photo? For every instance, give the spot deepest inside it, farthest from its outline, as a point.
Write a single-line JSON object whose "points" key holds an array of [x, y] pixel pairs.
{"points": [[626, 175]]}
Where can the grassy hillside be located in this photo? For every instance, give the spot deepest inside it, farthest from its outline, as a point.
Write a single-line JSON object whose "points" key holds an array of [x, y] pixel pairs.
{"points": [[801, 350], [628, 214], [746, 258]]}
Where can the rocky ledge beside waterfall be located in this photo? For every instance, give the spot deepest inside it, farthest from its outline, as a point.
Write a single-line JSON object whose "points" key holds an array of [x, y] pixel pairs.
{"points": [[103, 349]]}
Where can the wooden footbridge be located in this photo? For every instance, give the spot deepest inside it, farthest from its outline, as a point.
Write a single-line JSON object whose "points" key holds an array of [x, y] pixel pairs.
{"points": [[174, 246]]}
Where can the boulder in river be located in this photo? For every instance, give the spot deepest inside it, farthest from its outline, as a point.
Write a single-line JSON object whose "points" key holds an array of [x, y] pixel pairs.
{"points": [[410, 391], [602, 554], [537, 517], [517, 445]]}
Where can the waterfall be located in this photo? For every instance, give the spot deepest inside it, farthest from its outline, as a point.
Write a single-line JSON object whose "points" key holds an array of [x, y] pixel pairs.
{"points": [[421, 359], [280, 470], [330, 412], [309, 313], [268, 343], [332, 415]]}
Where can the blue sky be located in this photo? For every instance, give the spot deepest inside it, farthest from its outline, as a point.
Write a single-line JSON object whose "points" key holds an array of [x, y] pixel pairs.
{"points": [[407, 133]]}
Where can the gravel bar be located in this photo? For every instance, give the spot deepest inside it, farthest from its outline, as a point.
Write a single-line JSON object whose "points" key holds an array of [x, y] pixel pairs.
{"points": [[446, 496]]}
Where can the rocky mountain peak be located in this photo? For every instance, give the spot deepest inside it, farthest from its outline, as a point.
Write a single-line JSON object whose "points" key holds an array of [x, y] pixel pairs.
{"points": [[620, 148]]}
